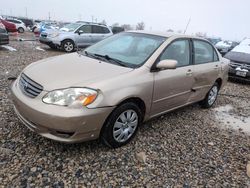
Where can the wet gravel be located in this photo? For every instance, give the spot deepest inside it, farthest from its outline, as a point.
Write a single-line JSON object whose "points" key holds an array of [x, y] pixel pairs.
{"points": [[185, 148]]}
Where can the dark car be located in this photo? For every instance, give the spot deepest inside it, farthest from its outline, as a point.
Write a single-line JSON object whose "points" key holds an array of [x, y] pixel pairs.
{"points": [[28, 22], [240, 62], [117, 29], [4, 37]]}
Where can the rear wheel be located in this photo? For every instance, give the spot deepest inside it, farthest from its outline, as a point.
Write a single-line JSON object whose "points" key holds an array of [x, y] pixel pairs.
{"points": [[122, 125], [68, 46], [211, 96], [20, 30]]}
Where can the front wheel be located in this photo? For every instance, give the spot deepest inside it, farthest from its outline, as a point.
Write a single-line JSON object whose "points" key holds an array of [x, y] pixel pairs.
{"points": [[122, 125], [211, 96], [68, 46]]}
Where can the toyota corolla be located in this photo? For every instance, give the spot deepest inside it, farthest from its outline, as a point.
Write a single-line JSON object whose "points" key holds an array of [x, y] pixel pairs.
{"points": [[112, 87]]}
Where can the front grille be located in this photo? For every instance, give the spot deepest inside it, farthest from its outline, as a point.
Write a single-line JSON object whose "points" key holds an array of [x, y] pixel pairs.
{"points": [[29, 87], [241, 65]]}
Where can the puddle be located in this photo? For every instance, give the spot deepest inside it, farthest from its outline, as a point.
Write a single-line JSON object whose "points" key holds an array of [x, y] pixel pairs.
{"points": [[9, 48], [231, 120], [39, 48]]}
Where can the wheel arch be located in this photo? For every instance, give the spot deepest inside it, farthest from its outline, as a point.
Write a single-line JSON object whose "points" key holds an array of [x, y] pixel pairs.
{"points": [[219, 81], [136, 100]]}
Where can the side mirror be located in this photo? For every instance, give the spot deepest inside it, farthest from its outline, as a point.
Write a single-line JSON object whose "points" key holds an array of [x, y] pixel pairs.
{"points": [[80, 32], [167, 64]]}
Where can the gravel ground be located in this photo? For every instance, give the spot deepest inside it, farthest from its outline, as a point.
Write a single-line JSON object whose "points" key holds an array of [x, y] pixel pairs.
{"points": [[186, 148]]}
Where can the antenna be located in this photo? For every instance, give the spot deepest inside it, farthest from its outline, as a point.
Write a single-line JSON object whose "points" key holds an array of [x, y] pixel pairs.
{"points": [[187, 25]]}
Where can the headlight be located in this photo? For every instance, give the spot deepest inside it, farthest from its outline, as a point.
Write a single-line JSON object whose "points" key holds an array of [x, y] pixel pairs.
{"points": [[70, 96], [52, 35]]}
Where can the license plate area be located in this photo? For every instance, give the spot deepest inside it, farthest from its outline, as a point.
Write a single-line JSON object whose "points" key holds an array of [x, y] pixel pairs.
{"points": [[241, 73]]}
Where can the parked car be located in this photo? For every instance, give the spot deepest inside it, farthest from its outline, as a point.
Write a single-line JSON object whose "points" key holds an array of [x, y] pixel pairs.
{"points": [[75, 35], [4, 37], [28, 22], [225, 46], [109, 89], [214, 41], [10, 27], [240, 61], [19, 24], [117, 29]]}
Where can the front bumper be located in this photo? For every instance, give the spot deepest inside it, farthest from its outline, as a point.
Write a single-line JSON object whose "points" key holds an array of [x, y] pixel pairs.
{"points": [[63, 124], [4, 39], [232, 75], [49, 41]]}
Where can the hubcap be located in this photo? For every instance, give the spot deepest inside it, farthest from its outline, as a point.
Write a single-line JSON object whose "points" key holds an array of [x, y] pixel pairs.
{"points": [[212, 95], [68, 46], [125, 126]]}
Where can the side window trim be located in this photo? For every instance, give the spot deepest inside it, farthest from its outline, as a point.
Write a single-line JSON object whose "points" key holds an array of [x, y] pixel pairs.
{"points": [[193, 51]]}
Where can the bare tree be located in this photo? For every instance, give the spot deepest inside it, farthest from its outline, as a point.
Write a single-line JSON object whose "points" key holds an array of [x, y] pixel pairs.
{"points": [[115, 24], [140, 26], [127, 27], [104, 22], [170, 30], [201, 34]]}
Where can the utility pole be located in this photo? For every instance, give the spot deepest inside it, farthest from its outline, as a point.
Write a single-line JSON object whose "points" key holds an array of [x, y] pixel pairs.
{"points": [[49, 15], [26, 12], [187, 25]]}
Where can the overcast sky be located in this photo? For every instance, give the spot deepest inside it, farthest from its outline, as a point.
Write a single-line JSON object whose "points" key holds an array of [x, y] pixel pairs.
{"points": [[223, 18]]}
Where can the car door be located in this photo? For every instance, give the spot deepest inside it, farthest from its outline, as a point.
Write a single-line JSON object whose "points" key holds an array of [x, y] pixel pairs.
{"points": [[172, 88], [206, 68], [99, 33], [83, 36]]}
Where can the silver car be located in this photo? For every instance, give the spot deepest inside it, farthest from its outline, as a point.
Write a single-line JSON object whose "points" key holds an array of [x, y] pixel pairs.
{"points": [[75, 35]]}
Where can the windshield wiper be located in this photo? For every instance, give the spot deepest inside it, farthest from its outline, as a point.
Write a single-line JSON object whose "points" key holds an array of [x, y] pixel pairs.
{"points": [[117, 61], [94, 56]]}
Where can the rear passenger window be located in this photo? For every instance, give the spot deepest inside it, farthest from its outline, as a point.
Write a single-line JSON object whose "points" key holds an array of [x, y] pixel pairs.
{"points": [[100, 29], [179, 51], [204, 52]]}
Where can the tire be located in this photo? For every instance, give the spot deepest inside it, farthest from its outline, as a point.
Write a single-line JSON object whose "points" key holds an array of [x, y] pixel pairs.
{"points": [[68, 45], [121, 126], [20, 30], [211, 96]]}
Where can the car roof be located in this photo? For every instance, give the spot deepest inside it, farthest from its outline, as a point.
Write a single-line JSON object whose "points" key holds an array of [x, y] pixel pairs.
{"points": [[166, 34], [91, 23]]}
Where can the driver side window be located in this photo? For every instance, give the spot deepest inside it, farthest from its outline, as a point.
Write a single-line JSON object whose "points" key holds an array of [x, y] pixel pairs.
{"points": [[179, 51], [85, 28]]}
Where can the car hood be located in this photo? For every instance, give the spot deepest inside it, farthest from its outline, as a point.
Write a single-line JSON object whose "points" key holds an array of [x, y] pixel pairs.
{"points": [[72, 70]]}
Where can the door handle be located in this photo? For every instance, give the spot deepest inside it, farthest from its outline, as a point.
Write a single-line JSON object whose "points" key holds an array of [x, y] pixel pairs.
{"points": [[216, 67], [189, 72]]}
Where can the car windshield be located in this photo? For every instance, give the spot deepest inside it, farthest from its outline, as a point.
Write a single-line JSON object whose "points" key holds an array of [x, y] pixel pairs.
{"points": [[70, 27], [130, 49]]}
